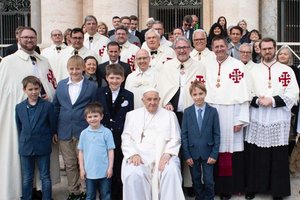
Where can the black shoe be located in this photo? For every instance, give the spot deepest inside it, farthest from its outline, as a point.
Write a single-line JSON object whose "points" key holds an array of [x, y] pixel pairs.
{"points": [[190, 192], [82, 196], [250, 196], [278, 198], [37, 194], [225, 197], [73, 196]]}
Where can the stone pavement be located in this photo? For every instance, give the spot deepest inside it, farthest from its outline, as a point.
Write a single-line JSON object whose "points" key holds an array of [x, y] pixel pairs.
{"points": [[60, 190]]}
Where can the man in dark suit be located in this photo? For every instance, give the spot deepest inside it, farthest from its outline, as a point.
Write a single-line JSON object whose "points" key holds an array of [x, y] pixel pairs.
{"points": [[15, 47], [187, 27], [133, 28], [149, 24], [116, 21], [113, 51]]}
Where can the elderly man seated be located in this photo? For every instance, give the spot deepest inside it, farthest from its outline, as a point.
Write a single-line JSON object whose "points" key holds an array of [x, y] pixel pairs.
{"points": [[150, 144]]}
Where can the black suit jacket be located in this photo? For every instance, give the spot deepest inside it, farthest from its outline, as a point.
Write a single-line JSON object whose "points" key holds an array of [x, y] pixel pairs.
{"points": [[140, 36], [111, 32], [13, 48], [100, 72], [191, 31]]}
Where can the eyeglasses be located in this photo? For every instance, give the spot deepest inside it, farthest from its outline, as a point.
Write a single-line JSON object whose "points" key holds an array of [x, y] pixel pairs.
{"points": [[58, 34], [28, 38], [245, 52], [77, 38], [187, 24], [182, 48], [142, 58], [199, 39]]}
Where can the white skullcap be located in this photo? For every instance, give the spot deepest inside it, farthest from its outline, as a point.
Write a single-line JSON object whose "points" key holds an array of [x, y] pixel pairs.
{"points": [[150, 89]]}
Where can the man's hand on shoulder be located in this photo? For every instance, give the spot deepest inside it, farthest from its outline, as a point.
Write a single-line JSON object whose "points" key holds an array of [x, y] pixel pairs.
{"points": [[136, 160]]}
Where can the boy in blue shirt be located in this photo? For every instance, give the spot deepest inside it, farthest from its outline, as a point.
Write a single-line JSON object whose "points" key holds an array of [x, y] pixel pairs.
{"points": [[36, 125], [96, 154], [200, 141]]}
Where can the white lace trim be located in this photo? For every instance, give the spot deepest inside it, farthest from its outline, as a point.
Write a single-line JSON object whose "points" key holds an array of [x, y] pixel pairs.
{"points": [[289, 103], [268, 135]]}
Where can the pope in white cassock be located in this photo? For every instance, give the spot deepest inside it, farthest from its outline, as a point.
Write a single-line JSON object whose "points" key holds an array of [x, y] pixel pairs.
{"points": [[227, 91], [150, 144], [13, 69]]}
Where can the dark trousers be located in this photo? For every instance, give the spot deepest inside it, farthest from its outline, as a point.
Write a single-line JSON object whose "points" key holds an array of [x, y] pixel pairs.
{"points": [[103, 185], [28, 165], [203, 190]]}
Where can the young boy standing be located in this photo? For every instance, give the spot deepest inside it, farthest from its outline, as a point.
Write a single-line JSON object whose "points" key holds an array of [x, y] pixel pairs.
{"points": [[200, 141], [71, 97], [96, 154], [36, 125], [116, 102]]}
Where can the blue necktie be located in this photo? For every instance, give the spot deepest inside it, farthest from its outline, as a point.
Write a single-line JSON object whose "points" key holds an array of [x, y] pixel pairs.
{"points": [[199, 119]]}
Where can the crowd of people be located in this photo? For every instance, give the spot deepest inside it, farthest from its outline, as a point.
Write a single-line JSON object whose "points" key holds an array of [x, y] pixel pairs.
{"points": [[148, 115]]}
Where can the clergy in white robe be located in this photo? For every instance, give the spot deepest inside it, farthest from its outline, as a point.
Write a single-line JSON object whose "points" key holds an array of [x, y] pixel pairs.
{"points": [[128, 50], [142, 78], [200, 51], [92, 39], [13, 69], [53, 52], [159, 54], [175, 76], [227, 91], [151, 167], [275, 92]]}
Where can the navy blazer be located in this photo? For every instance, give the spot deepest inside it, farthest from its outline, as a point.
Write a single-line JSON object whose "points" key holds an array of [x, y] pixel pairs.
{"points": [[71, 120], [115, 113], [101, 72], [35, 139], [13, 48], [203, 144]]}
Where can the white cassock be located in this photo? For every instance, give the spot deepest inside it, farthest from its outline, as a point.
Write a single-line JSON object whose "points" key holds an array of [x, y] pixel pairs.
{"points": [[163, 54], [270, 126], [52, 54], [165, 42], [170, 79], [13, 69], [137, 82], [145, 134], [205, 54], [61, 68], [127, 54], [97, 44], [228, 92]]}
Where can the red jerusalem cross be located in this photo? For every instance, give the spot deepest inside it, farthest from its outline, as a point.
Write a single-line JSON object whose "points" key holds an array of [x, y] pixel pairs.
{"points": [[101, 51], [130, 61], [236, 75], [200, 78], [285, 79], [51, 78]]}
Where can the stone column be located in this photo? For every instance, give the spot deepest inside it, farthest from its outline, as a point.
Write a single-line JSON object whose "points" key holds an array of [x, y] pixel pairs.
{"points": [[268, 18], [105, 10], [57, 14], [234, 11], [207, 14], [35, 7], [143, 13]]}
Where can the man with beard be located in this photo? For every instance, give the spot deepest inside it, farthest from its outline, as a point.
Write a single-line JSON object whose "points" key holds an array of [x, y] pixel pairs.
{"points": [[13, 69], [275, 92]]}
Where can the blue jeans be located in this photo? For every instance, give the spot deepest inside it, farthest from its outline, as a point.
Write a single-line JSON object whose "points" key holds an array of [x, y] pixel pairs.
{"points": [[28, 165], [102, 184]]}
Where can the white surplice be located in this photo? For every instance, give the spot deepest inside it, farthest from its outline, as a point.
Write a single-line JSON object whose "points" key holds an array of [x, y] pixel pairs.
{"points": [[13, 69], [269, 126], [137, 82], [97, 44], [150, 136]]}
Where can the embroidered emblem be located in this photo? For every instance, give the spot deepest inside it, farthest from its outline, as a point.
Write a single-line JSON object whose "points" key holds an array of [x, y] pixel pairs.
{"points": [[285, 79], [101, 51], [200, 78], [130, 61], [51, 78], [236, 75]]}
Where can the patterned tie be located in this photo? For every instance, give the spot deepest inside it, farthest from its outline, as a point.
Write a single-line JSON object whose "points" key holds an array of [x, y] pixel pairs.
{"points": [[199, 119]]}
